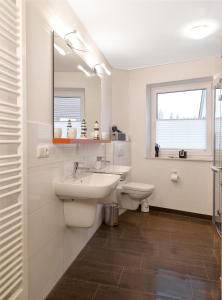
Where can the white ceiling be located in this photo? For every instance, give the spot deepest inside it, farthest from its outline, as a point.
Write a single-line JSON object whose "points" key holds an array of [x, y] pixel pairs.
{"points": [[137, 33]]}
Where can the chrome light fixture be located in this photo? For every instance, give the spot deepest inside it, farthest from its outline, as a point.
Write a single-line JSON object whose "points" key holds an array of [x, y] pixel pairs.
{"points": [[101, 70], [81, 68], [75, 41], [201, 29], [59, 49]]}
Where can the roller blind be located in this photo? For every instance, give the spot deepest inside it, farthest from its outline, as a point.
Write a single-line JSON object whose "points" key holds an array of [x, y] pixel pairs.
{"points": [[67, 108], [181, 120]]}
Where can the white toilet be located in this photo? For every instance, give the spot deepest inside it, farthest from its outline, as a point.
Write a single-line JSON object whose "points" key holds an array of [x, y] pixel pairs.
{"points": [[129, 195]]}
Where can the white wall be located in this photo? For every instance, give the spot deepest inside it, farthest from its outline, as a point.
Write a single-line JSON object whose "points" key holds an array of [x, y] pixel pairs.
{"points": [[51, 245], [120, 99], [194, 192]]}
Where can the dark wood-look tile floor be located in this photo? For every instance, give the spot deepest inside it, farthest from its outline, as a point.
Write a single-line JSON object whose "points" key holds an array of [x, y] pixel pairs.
{"points": [[155, 256]]}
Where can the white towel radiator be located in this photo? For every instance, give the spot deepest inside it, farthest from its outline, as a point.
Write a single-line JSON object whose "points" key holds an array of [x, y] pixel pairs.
{"points": [[11, 152]]}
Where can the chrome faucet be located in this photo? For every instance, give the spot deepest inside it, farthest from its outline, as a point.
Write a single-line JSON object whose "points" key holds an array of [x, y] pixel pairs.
{"points": [[75, 168]]}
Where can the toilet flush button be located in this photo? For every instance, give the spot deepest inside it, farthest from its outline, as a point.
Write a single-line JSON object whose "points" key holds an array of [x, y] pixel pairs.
{"points": [[42, 151]]}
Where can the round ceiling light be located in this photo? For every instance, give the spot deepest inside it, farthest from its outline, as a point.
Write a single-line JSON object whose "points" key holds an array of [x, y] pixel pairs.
{"points": [[201, 30]]}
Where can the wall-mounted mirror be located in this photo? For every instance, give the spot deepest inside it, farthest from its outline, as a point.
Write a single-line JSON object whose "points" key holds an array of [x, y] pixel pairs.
{"points": [[77, 93]]}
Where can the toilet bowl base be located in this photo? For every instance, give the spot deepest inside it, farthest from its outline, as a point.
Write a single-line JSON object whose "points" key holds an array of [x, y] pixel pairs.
{"points": [[145, 208]]}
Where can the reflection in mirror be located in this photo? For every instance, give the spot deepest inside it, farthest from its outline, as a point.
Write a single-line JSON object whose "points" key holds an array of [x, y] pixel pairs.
{"points": [[77, 93]]}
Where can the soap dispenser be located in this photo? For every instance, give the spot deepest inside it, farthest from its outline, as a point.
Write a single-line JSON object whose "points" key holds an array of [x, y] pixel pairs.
{"points": [[98, 164]]}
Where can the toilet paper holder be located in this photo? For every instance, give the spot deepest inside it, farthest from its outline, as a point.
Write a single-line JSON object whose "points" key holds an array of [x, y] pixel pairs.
{"points": [[174, 176]]}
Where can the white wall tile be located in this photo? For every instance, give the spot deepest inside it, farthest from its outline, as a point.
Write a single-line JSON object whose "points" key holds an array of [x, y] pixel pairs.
{"points": [[45, 269], [52, 246]]}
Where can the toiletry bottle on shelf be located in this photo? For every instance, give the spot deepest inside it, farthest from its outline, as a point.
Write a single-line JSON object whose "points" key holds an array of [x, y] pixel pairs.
{"points": [[83, 129], [98, 164], [96, 131]]}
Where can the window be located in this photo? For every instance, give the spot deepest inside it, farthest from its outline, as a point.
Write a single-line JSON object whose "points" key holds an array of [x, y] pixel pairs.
{"points": [[67, 108], [181, 119], [68, 105]]}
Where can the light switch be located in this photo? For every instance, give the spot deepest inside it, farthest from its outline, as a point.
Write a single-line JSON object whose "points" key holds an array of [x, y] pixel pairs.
{"points": [[42, 151]]}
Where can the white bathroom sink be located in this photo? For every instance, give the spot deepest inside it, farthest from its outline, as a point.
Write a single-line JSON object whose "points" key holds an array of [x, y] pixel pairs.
{"points": [[92, 186], [115, 169]]}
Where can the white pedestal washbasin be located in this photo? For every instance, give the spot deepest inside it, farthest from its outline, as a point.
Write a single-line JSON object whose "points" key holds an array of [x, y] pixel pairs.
{"points": [[81, 195]]}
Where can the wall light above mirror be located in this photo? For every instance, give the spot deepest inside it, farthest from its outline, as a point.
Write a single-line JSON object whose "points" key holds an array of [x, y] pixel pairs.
{"points": [[77, 44]]}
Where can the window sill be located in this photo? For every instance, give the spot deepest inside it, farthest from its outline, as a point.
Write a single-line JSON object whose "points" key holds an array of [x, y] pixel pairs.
{"points": [[198, 159]]}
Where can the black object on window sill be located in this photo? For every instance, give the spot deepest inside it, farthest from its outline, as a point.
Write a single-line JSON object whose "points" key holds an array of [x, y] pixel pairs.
{"points": [[157, 149], [182, 154]]}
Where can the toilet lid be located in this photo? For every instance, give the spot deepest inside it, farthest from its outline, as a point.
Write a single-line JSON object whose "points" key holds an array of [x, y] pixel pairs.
{"points": [[136, 186]]}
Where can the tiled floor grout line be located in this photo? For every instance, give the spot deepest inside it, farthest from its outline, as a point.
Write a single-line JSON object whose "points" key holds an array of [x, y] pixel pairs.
{"points": [[191, 286], [141, 261], [205, 269], [120, 276], [86, 250], [96, 291]]}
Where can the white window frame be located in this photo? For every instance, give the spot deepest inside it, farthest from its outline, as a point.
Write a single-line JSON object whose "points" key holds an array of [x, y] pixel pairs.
{"points": [[178, 86]]}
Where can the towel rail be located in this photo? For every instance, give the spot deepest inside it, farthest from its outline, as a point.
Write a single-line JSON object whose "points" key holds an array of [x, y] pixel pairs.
{"points": [[11, 215], [13, 77], [8, 23], [8, 52], [11, 289], [11, 91], [9, 223], [9, 245], [13, 163], [7, 261], [10, 127], [11, 251], [9, 60], [10, 171], [8, 186], [9, 112], [7, 15], [11, 156], [10, 266], [9, 105], [10, 142], [4, 81], [9, 120], [11, 69], [9, 32], [11, 207], [9, 237], [10, 134], [10, 274], [5, 36], [12, 12], [10, 193], [10, 282], [10, 178]]}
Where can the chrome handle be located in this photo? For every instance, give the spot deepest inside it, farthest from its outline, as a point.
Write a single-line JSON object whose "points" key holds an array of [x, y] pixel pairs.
{"points": [[216, 169]]}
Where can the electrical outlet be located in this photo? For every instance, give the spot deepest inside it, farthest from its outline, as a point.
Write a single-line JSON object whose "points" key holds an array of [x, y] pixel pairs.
{"points": [[42, 151]]}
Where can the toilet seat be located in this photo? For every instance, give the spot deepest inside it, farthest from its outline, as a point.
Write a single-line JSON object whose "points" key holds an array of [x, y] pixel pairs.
{"points": [[137, 187]]}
